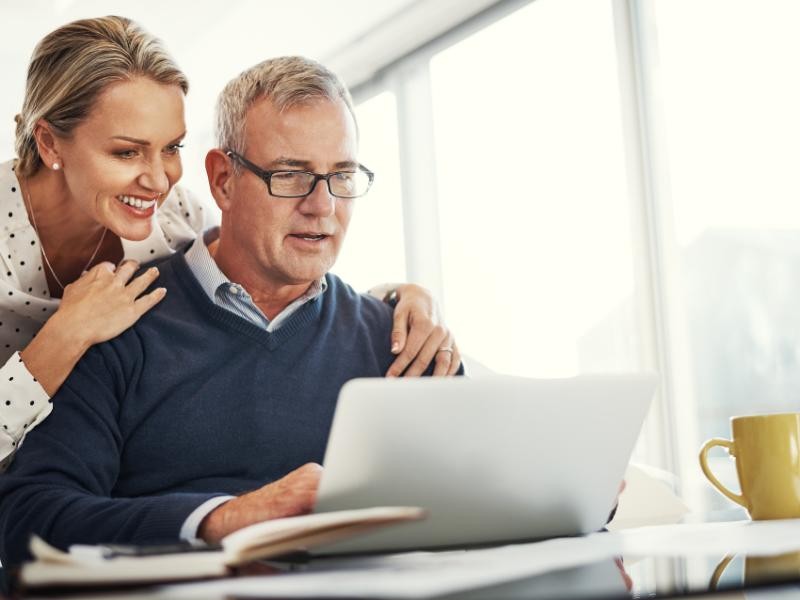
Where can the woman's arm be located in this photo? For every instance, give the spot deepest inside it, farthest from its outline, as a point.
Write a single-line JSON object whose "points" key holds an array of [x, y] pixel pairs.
{"points": [[98, 306], [419, 335], [24, 405]]}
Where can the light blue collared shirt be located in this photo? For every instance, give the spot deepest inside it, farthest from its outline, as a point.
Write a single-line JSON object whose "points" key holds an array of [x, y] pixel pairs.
{"points": [[233, 297]]}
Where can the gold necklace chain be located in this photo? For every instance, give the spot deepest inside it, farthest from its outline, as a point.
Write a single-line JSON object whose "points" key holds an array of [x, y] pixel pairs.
{"points": [[27, 197]]}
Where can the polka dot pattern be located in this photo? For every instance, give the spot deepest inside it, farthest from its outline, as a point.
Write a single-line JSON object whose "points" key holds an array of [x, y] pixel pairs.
{"points": [[23, 405], [25, 302]]}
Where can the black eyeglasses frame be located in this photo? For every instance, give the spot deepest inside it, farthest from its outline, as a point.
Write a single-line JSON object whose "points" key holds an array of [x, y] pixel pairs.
{"points": [[266, 176]]}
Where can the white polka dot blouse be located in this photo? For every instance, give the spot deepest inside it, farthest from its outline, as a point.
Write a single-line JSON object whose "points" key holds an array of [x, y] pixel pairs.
{"points": [[25, 303]]}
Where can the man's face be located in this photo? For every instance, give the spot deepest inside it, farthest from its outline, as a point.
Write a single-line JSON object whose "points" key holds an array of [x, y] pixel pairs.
{"points": [[292, 241]]}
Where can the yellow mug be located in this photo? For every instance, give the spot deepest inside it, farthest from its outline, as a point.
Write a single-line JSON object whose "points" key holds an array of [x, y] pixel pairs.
{"points": [[767, 453], [762, 569]]}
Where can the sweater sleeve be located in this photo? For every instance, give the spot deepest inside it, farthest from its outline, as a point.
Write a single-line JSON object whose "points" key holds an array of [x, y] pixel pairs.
{"points": [[60, 485], [23, 405]]}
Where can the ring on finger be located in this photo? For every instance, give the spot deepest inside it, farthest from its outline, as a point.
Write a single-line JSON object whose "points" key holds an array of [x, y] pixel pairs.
{"points": [[445, 349]]}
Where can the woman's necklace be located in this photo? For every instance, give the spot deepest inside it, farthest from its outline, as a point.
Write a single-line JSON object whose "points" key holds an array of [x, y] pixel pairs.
{"points": [[27, 197]]}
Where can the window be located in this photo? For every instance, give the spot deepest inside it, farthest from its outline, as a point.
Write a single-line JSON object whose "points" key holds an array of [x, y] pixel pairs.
{"points": [[373, 251], [534, 210], [730, 112]]}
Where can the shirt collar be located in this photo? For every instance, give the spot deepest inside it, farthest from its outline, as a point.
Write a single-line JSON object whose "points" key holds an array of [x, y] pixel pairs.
{"points": [[212, 279]]}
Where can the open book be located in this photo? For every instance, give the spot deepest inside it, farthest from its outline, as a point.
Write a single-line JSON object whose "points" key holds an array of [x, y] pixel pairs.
{"points": [[107, 565]]}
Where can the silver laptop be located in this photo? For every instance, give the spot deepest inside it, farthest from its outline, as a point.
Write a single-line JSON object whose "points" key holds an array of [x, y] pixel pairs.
{"points": [[494, 459]]}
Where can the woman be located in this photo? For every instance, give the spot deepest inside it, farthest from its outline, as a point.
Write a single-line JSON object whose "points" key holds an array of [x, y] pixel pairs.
{"points": [[98, 146]]}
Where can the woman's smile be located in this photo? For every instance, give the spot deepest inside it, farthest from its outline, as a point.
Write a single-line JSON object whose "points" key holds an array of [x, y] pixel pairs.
{"points": [[138, 207]]}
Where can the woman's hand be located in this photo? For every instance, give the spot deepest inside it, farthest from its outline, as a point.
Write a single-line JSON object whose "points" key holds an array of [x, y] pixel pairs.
{"points": [[98, 306], [105, 301], [419, 336]]}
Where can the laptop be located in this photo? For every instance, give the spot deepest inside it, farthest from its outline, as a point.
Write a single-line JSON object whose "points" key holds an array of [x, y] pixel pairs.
{"points": [[493, 459]]}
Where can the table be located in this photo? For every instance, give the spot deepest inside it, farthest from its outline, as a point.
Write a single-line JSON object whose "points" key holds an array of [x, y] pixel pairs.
{"points": [[663, 561]]}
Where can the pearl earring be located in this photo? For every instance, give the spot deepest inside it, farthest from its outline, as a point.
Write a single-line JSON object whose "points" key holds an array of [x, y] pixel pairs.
{"points": [[56, 166]]}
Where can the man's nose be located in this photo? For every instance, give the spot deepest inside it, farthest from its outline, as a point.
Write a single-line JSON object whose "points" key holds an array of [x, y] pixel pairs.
{"points": [[155, 177], [320, 202]]}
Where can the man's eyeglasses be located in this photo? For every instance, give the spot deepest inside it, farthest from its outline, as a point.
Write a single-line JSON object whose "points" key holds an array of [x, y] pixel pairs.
{"points": [[299, 184]]}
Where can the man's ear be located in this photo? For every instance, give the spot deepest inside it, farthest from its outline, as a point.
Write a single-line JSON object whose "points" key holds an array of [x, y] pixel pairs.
{"points": [[47, 143], [219, 169]]}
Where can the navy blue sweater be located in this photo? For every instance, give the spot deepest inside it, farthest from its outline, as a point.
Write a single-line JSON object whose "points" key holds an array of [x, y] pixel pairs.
{"points": [[189, 403]]}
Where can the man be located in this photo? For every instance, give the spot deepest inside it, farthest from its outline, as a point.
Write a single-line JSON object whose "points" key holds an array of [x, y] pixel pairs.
{"points": [[160, 433]]}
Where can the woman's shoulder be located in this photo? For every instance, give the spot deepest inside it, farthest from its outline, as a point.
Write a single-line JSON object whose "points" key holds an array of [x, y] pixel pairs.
{"points": [[184, 215], [184, 206], [13, 214], [7, 169], [9, 185]]}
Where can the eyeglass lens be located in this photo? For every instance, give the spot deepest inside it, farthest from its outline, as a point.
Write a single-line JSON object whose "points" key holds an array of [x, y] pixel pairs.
{"points": [[296, 183]]}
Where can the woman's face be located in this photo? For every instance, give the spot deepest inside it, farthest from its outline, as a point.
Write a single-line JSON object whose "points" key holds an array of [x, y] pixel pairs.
{"points": [[122, 160]]}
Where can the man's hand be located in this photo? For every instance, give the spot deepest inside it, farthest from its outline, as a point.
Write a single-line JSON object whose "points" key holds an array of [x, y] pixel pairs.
{"points": [[292, 495]]}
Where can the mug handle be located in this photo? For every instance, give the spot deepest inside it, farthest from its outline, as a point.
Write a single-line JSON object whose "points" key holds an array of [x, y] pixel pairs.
{"points": [[738, 498], [723, 564]]}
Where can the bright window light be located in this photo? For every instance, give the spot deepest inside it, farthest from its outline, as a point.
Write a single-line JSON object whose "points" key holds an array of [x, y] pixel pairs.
{"points": [[534, 210], [373, 252], [730, 104]]}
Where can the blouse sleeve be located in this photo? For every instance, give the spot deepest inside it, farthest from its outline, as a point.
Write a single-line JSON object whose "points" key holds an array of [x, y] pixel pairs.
{"points": [[379, 292], [23, 405]]}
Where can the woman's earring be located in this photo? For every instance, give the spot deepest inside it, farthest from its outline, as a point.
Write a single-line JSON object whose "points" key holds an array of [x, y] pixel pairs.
{"points": [[56, 166]]}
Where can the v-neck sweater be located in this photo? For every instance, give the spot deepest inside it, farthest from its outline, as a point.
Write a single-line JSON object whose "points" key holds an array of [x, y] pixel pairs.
{"points": [[191, 402]]}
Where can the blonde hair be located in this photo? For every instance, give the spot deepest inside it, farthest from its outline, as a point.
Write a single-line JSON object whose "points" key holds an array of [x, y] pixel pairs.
{"points": [[71, 67], [287, 81]]}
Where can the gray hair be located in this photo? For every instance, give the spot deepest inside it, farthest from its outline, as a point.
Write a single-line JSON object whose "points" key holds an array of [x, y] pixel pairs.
{"points": [[71, 67], [287, 81]]}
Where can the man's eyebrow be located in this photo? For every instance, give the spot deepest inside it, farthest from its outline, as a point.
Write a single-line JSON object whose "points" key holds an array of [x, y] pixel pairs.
{"points": [[306, 165], [285, 161]]}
